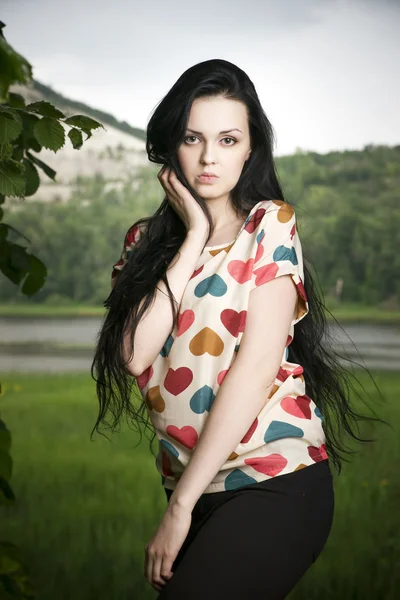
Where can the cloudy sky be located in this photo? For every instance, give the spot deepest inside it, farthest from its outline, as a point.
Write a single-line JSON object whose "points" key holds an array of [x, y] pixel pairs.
{"points": [[326, 71]]}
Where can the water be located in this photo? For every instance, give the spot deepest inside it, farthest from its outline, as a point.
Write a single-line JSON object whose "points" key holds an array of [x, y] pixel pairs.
{"points": [[374, 346]]}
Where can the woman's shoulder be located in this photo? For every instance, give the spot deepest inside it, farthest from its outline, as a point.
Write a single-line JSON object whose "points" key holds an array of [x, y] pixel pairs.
{"points": [[281, 207], [135, 232], [272, 213]]}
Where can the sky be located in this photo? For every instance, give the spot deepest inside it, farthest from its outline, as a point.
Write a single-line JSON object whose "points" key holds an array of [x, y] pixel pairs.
{"points": [[326, 71]]}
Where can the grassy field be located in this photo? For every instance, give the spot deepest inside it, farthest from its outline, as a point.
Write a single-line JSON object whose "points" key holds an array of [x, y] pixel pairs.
{"points": [[86, 508], [355, 313]]}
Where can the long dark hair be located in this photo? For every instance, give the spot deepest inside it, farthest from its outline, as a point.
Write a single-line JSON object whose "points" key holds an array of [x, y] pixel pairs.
{"points": [[328, 383]]}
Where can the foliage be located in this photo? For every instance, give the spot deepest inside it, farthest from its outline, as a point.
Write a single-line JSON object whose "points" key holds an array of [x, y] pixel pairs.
{"points": [[25, 130], [349, 228], [90, 506]]}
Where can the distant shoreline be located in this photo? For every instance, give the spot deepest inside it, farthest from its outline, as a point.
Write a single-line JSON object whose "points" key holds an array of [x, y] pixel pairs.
{"points": [[346, 313]]}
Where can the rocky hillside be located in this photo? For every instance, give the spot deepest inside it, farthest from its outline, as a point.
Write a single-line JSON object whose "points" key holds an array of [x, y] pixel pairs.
{"points": [[113, 151]]}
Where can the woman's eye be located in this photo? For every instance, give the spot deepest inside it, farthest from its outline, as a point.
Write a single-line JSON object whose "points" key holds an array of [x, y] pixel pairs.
{"points": [[193, 137], [229, 138]]}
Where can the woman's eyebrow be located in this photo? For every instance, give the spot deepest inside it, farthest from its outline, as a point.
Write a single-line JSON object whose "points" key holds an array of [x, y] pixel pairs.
{"points": [[226, 131]]}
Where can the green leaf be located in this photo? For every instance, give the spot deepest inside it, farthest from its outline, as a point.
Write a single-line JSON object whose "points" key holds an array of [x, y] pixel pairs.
{"points": [[88, 133], [32, 180], [12, 180], [20, 258], [6, 151], [29, 121], [14, 68], [5, 108], [36, 278], [48, 170], [10, 126], [18, 150], [16, 100], [45, 109], [14, 229], [83, 122], [76, 138], [49, 133], [16, 263], [5, 263]]}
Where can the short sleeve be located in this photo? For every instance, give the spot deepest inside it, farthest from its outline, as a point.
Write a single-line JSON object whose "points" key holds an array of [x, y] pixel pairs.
{"points": [[279, 252], [131, 238]]}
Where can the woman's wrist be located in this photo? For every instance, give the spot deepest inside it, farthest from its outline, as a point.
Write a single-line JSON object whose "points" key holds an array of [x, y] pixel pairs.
{"points": [[198, 236], [178, 504]]}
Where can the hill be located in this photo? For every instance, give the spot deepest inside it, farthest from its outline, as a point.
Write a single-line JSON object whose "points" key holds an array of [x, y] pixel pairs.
{"points": [[113, 152]]}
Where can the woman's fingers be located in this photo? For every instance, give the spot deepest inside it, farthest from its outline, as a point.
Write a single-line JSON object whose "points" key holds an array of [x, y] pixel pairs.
{"points": [[166, 572], [156, 578], [168, 179], [149, 567], [152, 571], [163, 178]]}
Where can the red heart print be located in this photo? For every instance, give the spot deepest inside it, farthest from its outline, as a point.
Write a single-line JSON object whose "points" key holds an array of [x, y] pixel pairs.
{"points": [[316, 453], [176, 381], [256, 219], [250, 432], [221, 376], [187, 435], [269, 465], [265, 273], [241, 271], [283, 374], [143, 378], [185, 320], [197, 271], [233, 321], [298, 407], [166, 464]]}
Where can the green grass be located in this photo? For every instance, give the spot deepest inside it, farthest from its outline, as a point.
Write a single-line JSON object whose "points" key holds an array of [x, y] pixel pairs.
{"points": [[350, 312], [46, 311], [86, 509]]}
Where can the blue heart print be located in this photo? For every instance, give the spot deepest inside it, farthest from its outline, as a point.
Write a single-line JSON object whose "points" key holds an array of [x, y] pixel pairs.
{"points": [[260, 236], [170, 447], [202, 400], [284, 253], [237, 479], [165, 350], [213, 285], [318, 413], [280, 429]]}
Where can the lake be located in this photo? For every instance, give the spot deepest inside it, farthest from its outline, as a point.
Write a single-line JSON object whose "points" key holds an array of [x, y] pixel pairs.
{"points": [[375, 346]]}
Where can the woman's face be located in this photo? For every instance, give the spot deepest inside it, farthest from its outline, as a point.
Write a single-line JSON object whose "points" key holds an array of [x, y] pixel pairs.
{"points": [[206, 148]]}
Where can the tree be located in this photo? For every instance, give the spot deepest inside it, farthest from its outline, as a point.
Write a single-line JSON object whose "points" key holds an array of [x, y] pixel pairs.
{"points": [[24, 131]]}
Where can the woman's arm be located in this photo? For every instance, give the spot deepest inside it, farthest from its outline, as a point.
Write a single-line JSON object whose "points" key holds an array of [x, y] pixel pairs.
{"points": [[156, 324], [245, 389]]}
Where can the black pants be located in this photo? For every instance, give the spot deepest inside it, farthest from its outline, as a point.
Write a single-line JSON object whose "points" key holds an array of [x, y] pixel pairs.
{"points": [[256, 541]]}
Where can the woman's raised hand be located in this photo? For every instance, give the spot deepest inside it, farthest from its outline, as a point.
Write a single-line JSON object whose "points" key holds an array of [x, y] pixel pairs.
{"points": [[183, 202]]}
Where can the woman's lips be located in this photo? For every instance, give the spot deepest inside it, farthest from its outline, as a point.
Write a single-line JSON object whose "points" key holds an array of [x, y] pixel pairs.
{"points": [[207, 178]]}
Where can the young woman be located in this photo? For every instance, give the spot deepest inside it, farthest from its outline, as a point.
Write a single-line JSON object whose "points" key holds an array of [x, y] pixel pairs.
{"points": [[206, 295]]}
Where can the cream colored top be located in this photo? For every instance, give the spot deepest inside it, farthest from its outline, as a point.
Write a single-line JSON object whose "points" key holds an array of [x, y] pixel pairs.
{"points": [[181, 385]]}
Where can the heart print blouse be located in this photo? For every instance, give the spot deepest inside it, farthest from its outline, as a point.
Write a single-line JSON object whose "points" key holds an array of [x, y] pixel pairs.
{"points": [[179, 388]]}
